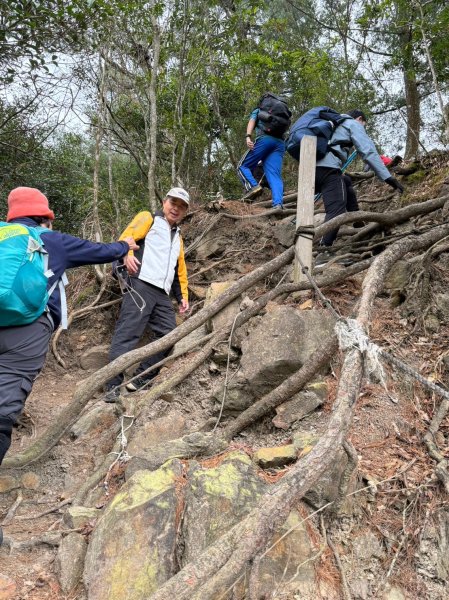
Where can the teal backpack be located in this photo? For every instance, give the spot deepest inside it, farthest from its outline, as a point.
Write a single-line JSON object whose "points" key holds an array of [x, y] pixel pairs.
{"points": [[24, 274]]}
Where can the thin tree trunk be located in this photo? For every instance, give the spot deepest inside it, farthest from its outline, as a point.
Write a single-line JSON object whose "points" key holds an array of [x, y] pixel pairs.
{"points": [[156, 47]]}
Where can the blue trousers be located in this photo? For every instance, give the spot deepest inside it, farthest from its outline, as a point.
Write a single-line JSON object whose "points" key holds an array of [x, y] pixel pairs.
{"points": [[270, 151]]}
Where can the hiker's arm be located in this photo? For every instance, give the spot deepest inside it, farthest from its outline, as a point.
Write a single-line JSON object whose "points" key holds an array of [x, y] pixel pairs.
{"points": [[181, 272], [80, 252], [250, 128], [367, 150], [138, 228]]}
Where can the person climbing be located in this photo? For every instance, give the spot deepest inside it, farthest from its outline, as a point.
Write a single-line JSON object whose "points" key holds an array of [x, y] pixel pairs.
{"points": [[270, 121], [338, 194], [32, 297], [157, 269]]}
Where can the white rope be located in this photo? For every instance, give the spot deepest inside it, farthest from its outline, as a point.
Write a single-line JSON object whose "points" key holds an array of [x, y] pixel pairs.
{"points": [[351, 335]]}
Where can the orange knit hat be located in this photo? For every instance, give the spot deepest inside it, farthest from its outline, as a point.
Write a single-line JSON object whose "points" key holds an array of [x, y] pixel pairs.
{"points": [[28, 202]]}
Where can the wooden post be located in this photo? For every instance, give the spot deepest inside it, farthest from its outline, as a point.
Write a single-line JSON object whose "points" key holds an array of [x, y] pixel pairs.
{"points": [[305, 205]]}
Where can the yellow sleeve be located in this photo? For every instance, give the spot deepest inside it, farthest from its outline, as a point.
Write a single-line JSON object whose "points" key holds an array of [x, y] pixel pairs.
{"points": [[138, 228], [182, 273]]}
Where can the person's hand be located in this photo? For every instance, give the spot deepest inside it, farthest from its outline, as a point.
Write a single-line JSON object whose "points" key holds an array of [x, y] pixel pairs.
{"points": [[395, 184], [131, 263], [131, 243], [184, 306], [249, 143]]}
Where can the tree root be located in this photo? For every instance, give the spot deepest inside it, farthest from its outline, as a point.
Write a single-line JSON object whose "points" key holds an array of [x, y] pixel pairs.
{"points": [[351, 466], [429, 439]]}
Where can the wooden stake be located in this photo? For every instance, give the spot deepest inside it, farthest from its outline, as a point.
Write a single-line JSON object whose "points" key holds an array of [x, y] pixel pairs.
{"points": [[305, 204]]}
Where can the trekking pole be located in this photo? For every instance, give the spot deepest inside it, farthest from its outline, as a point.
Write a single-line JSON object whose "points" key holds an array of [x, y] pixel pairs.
{"points": [[350, 159]]}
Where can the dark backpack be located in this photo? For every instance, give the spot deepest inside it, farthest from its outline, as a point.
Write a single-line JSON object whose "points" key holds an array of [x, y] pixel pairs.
{"points": [[274, 115], [321, 122]]}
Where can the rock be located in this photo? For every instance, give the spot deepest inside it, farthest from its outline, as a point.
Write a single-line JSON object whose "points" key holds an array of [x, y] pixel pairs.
{"points": [[290, 559], [30, 481], [367, 546], [278, 346], [398, 277], [216, 499], [191, 338], [326, 488], [188, 446], [8, 483], [95, 358], [393, 593], [210, 245], [442, 307], [76, 517], [8, 588], [284, 232], [132, 549], [100, 417], [222, 353], [432, 323], [304, 442], [198, 290], [228, 313], [70, 561], [302, 404], [278, 456], [154, 432]]}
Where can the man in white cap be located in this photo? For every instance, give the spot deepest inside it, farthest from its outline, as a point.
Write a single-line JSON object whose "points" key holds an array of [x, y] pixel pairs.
{"points": [[155, 270]]}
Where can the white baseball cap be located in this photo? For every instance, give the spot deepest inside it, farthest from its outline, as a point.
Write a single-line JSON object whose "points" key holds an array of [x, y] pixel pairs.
{"points": [[180, 193]]}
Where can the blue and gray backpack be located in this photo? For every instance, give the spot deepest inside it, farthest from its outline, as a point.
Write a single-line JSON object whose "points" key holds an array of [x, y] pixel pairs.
{"points": [[24, 275], [321, 122]]}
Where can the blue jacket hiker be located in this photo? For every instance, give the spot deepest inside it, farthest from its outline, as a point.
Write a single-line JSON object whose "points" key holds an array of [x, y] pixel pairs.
{"points": [[268, 148], [338, 194], [27, 322]]}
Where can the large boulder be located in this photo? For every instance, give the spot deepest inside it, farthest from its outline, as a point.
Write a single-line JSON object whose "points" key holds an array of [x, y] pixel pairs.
{"points": [[216, 499], [219, 497], [132, 549], [277, 347]]}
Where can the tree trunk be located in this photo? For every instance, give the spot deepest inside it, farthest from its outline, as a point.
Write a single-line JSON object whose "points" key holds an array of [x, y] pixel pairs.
{"points": [[156, 47]]}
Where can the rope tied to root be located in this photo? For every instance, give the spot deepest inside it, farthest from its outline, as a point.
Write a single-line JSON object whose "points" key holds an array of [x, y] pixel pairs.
{"points": [[350, 334]]}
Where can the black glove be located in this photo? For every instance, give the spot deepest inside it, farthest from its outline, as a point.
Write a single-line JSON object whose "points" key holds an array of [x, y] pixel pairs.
{"points": [[395, 184]]}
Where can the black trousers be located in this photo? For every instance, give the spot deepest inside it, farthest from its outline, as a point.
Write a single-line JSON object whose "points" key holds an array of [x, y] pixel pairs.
{"points": [[338, 197], [158, 313], [22, 355]]}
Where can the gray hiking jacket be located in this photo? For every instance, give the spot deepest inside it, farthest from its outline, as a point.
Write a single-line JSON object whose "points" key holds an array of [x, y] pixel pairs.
{"points": [[353, 131]]}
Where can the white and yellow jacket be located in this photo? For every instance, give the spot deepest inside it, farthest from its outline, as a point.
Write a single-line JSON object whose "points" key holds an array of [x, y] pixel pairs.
{"points": [[161, 253]]}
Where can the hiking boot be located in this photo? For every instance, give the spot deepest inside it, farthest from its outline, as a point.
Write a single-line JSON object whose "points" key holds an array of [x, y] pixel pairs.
{"points": [[255, 191], [112, 395], [137, 385]]}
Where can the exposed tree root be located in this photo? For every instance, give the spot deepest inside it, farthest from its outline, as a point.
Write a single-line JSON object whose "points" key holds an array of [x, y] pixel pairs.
{"points": [[351, 466], [434, 451]]}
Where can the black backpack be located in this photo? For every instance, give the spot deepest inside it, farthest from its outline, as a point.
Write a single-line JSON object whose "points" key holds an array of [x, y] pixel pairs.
{"points": [[321, 122], [274, 115]]}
